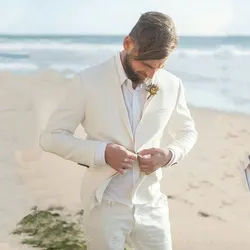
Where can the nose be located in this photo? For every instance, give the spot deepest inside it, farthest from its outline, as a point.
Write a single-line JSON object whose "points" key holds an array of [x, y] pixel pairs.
{"points": [[151, 72]]}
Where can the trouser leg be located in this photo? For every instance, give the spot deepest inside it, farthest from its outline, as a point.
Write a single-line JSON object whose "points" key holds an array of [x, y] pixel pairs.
{"points": [[108, 226], [152, 227]]}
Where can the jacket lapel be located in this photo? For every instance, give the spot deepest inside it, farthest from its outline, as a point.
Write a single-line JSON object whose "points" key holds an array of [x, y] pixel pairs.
{"points": [[116, 88], [119, 99], [150, 103], [149, 98]]}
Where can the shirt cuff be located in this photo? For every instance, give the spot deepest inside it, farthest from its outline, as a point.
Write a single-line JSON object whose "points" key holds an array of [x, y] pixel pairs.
{"points": [[100, 154], [171, 162]]}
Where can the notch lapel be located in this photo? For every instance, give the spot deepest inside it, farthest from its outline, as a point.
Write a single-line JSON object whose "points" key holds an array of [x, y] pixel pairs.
{"points": [[155, 80], [149, 103], [118, 95], [149, 99]]}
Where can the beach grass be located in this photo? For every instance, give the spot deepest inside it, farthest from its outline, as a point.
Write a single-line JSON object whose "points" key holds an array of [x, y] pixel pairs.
{"points": [[52, 229]]}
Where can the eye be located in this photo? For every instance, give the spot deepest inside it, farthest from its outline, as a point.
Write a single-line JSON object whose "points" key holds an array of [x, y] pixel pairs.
{"points": [[147, 65]]}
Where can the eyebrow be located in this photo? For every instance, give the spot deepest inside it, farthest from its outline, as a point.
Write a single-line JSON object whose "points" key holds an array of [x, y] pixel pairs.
{"points": [[151, 66]]}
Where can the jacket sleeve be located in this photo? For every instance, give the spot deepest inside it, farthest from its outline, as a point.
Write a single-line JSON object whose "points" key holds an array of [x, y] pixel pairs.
{"points": [[181, 128], [58, 136]]}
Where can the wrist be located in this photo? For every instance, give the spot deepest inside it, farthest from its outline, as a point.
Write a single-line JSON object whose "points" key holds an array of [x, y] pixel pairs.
{"points": [[168, 156], [107, 150]]}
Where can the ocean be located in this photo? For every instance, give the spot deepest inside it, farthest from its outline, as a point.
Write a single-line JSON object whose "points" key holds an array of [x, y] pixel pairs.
{"points": [[214, 70]]}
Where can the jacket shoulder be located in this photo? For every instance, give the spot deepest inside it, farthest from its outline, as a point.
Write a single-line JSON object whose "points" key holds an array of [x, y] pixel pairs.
{"points": [[168, 79], [99, 71], [169, 76]]}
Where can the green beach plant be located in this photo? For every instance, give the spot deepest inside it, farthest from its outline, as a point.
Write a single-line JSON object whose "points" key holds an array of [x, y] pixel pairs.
{"points": [[52, 229]]}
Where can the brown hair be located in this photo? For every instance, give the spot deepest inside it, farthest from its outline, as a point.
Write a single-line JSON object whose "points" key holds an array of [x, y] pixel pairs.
{"points": [[154, 35]]}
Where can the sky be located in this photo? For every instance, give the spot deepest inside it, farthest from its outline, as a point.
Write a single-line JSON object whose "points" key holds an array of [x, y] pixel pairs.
{"points": [[192, 17]]}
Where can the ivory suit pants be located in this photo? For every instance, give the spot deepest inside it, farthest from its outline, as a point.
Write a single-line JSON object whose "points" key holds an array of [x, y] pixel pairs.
{"points": [[110, 224]]}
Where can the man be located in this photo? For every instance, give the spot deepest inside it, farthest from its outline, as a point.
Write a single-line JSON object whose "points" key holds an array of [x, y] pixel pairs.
{"points": [[247, 174], [125, 104]]}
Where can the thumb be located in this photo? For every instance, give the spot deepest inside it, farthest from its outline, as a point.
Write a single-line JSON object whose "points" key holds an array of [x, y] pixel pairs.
{"points": [[147, 151], [132, 156]]}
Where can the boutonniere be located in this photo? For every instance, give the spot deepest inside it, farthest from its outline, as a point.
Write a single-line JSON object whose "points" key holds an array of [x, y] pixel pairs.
{"points": [[152, 89]]}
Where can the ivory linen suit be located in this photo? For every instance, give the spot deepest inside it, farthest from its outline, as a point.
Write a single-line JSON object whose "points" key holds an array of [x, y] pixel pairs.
{"points": [[97, 103]]}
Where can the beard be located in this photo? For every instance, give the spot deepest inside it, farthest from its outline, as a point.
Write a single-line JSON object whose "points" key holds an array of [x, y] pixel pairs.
{"points": [[131, 74]]}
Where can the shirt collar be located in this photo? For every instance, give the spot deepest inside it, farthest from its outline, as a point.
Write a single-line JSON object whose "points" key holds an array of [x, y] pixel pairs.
{"points": [[122, 75]]}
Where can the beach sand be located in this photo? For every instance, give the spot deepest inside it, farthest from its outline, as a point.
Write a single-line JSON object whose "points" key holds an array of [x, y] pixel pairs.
{"points": [[208, 199]]}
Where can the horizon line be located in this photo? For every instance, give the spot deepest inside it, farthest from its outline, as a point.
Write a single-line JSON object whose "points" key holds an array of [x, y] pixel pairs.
{"points": [[114, 35]]}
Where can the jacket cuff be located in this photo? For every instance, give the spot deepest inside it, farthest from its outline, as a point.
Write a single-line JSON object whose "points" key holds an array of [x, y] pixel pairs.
{"points": [[100, 154]]}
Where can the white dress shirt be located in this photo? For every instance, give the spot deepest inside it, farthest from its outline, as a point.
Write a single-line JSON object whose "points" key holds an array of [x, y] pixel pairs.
{"points": [[120, 186]]}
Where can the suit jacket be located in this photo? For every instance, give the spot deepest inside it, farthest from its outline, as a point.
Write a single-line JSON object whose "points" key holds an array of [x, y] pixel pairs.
{"points": [[96, 102], [246, 173]]}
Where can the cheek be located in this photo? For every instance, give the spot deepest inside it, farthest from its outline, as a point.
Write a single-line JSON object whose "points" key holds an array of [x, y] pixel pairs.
{"points": [[138, 67]]}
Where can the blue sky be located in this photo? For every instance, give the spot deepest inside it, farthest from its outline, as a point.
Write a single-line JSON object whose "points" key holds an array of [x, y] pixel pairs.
{"points": [[192, 17]]}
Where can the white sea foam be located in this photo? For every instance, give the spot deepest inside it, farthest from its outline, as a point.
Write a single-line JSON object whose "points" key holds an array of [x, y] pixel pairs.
{"points": [[218, 73]]}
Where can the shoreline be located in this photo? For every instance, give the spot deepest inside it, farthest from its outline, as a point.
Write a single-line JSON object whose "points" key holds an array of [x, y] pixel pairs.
{"points": [[7, 78], [219, 111]]}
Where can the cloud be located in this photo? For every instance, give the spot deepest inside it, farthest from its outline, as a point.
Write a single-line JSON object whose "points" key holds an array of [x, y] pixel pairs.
{"points": [[240, 21], [193, 17]]}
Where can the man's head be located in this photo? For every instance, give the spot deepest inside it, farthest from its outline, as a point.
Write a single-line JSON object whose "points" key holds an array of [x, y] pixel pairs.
{"points": [[148, 45]]}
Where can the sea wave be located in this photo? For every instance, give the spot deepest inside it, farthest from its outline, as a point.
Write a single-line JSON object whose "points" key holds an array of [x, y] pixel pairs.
{"points": [[14, 56], [10, 49], [55, 46], [18, 67], [222, 50]]}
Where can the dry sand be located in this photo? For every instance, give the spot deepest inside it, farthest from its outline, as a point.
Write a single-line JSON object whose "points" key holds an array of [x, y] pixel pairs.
{"points": [[209, 201]]}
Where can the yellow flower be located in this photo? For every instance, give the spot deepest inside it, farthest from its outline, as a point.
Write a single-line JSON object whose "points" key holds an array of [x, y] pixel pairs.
{"points": [[152, 89]]}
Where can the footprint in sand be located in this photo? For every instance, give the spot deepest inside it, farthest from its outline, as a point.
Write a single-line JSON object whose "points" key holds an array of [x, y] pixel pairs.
{"points": [[206, 215]]}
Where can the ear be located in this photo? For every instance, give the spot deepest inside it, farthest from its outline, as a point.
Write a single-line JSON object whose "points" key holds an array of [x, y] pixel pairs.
{"points": [[128, 44]]}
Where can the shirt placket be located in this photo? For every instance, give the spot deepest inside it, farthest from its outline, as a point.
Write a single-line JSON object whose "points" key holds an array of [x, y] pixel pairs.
{"points": [[135, 117], [134, 112]]}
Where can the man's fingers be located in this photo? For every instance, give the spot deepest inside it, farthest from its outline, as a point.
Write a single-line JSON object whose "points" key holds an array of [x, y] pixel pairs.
{"points": [[132, 156], [145, 160], [126, 166], [147, 151], [128, 160], [144, 168], [121, 171]]}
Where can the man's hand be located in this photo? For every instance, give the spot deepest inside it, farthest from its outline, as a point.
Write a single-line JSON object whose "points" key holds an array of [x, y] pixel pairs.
{"points": [[153, 158], [119, 158]]}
